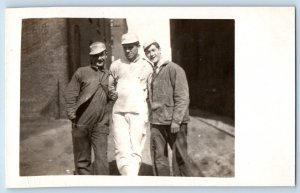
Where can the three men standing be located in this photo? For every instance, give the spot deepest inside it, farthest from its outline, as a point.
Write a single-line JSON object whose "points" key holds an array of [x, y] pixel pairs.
{"points": [[86, 102], [131, 82]]}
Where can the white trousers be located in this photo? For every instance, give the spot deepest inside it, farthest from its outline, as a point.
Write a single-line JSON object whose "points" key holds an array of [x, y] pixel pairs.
{"points": [[129, 132]]}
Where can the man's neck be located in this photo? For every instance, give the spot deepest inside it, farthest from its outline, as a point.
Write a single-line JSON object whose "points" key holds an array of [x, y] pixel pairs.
{"points": [[160, 61], [135, 59]]}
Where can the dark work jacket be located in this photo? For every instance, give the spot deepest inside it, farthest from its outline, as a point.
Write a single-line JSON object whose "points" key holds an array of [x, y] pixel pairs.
{"points": [[83, 86], [169, 95]]}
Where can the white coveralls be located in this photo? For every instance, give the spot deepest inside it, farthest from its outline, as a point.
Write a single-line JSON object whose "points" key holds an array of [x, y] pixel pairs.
{"points": [[130, 112]]}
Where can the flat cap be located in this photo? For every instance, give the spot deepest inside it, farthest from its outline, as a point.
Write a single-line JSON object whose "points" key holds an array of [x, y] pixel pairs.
{"points": [[129, 38], [148, 42], [97, 47]]}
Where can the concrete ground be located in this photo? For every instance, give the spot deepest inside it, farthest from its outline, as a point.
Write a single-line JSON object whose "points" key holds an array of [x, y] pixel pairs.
{"points": [[46, 147]]}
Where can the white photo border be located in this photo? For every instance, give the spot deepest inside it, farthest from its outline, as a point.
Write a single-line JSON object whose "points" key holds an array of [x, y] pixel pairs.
{"points": [[264, 95]]}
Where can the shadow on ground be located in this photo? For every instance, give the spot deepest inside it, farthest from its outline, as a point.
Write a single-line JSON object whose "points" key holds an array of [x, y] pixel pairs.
{"points": [[46, 147], [145, 169], [206, 115]]}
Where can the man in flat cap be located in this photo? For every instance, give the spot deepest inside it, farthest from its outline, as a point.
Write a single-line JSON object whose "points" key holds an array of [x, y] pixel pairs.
{"points": [[169, 102], [86, 103], [128, 81]]}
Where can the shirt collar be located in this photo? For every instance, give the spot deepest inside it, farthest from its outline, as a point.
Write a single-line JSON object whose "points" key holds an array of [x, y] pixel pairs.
{"points": [[102, 69], [161, 62]]}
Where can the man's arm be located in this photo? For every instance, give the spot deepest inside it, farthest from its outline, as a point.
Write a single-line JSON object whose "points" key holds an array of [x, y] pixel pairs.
{"points": [[71, 95], [112, 82], [180, 95], [146, 77]]}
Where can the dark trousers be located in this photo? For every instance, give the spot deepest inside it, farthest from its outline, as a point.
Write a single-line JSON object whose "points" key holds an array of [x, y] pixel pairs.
{"points": [[161, 136], [86, 138]]}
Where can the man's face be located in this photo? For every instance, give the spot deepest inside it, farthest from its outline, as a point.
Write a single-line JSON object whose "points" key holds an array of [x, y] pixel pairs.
{"points": [[153, 54], [99, 59], [131, 51]]}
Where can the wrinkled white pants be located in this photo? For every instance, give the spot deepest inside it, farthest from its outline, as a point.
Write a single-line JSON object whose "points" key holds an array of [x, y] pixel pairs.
{"points": [[129, 133]]}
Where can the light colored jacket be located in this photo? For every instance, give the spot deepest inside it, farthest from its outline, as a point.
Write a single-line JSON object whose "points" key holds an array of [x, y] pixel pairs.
{"points": [[129, 80]]}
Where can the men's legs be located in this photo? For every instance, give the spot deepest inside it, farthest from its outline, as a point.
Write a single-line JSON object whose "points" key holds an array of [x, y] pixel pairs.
{"points": [[81, 150], [137, 130], [178, 142], [99, 143], [159, 150], [122, 142]]}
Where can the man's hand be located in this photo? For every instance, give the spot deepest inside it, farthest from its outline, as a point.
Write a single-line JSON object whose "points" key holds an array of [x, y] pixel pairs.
{"points": [[72, 118], [113, 95], [175, 127]]}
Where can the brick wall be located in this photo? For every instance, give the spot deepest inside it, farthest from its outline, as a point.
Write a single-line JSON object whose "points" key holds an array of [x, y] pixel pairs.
{"points": [[52, 50], [44, 70]]}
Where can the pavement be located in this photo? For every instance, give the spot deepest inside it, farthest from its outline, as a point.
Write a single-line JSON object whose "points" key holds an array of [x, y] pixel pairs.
{"points": [[46, 147]]}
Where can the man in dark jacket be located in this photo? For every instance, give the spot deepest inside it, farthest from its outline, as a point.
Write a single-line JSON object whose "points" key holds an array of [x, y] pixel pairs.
{"points": [[169, 102], [86, 104]]}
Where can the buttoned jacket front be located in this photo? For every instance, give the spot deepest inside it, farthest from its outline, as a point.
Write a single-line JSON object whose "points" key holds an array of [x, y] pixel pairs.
{"points": [[169, 95]]}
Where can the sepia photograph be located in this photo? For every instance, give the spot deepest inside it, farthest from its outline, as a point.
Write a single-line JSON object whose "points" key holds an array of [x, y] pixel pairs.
{"points": [[103, 95], [55, 50]]}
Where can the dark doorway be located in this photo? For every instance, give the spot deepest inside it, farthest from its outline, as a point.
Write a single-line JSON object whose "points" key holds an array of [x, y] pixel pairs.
{"points": [[205, 49]]}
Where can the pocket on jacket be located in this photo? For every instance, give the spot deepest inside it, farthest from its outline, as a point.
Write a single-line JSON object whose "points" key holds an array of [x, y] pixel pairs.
{"points": [[168, 112], [155, 105]]}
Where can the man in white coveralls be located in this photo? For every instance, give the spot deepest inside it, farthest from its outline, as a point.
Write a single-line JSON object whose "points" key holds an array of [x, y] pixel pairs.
{"points": [[128, 85]]}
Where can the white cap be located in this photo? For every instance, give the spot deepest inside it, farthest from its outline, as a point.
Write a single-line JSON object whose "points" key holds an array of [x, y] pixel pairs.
{"points": [[129, 38], [147, 43], [97, 47]]}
